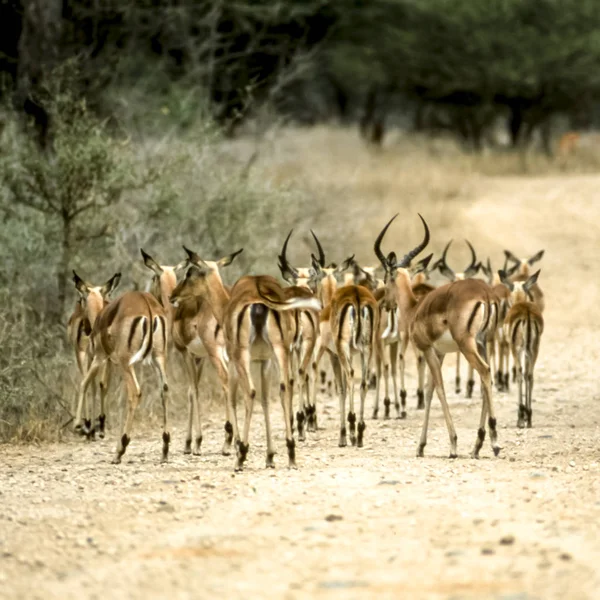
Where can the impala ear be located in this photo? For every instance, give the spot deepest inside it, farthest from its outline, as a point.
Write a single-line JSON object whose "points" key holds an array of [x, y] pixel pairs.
{"points": [[531, 281], [446, 271], [194, 258], [151, 263], [80, 285], [111, 285], [421, 266], [536, 257], [182, 266], [227, 260], [505, 280], [510, 256], [510, 272], [344, 266]]}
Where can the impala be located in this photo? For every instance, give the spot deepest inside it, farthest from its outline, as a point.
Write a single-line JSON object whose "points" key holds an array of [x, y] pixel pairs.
{"points": [[503, 294], [453, 317], [524, 326], [393, 332], [304, 337], [128, 330], [470, 271], [520, 272], [349, 326], [255, 320], [92, 299], [197, 336]]}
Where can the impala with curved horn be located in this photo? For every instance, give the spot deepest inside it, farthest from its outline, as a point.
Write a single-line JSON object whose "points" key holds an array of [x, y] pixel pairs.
{"points": [[197, 336], [92, 299], [305, 325], [255, 320], [470, 271], [453, 317]]}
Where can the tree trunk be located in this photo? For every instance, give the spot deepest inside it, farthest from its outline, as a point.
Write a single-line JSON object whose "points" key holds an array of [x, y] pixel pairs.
{"points": [[39, 47], [64, 265]]}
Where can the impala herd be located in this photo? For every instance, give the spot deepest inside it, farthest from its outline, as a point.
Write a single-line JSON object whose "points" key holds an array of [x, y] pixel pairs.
{"points": [[188, 310]]}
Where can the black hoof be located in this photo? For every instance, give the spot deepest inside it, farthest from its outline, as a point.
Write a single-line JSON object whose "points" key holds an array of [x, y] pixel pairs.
{"points": [[420, 451], [452, 455], [402, 415], [188, 447], [496, 450], [270, 462], [386, 403], [375, 413]]}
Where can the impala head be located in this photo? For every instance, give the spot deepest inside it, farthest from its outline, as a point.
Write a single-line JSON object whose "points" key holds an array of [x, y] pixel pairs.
{"points": [[470, 271], [365, 276], [420, 272], [300, 276], [94, 297], [520, 291], [199, 275], [521, 266], [390, 263], [164, 279]]}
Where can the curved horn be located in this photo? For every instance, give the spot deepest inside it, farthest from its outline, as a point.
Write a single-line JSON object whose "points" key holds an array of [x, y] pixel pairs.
{"points": [[377, 245], [405, 262], [320, 248], [472, 269], [284, 265]]}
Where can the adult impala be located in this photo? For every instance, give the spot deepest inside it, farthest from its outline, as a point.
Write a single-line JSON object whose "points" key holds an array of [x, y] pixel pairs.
{"points": [[453, 317]]}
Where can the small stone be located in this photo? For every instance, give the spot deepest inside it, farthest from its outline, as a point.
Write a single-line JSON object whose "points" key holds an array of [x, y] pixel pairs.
{"points": [[487, 551], [332, 518], [572, 463], [507, 540], [565, 556]]}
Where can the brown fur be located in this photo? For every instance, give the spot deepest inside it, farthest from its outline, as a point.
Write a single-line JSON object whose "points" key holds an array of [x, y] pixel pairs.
{"points": [[128, 330]]}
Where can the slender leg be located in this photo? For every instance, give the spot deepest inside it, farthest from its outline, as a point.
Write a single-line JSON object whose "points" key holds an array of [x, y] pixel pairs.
{"points": [[216, 358], [345, 357], [399, 404], [421, 364], [83, 387], [457, 379], [104, 383], [198, 406], [378, 369], [427, 407], [434, 361], [281, 354], [159, 362], [364, 384], [319, 351], [386, 385], [265, 377], [341, 384], [404, 339], [133, 399], [190, 370], [473, 355], [518, 364], [242, 365], [470, 381]]}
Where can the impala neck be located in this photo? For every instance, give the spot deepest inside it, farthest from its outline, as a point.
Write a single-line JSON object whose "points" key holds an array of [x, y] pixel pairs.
{"points": [[327, 290], [93, 305], [218, 296], [404, 295]]}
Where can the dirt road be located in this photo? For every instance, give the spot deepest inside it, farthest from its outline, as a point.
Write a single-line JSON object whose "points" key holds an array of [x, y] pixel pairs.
{"points": [[375, 522]]}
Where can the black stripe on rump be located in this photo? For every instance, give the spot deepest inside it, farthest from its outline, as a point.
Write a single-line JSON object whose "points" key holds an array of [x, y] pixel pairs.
{"points": [[144, 333], [134, 325], [472, 317], [358, 316], [277, 317], [514, 332]]}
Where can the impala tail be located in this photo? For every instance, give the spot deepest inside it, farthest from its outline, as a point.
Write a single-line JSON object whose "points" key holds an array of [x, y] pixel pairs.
{"points": [[289, 304]]}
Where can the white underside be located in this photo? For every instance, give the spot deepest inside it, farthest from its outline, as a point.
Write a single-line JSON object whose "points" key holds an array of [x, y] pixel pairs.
{"points": [[445, 344]]}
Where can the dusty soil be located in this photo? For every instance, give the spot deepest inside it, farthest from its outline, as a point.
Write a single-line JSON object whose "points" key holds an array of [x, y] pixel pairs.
{"points": [[374, 522]]}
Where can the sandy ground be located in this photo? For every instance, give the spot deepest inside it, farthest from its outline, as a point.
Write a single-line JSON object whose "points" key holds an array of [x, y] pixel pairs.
{"points": [[350, 523]]}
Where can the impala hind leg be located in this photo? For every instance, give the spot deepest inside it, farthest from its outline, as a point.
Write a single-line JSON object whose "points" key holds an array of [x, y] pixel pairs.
{"points": [[473, 352], [134, 395], [522, 414], [401, 354], [105, 376], [345, 358], [364, 386], [435, 360], [282, 357], [192, 373], [400, 404], [457, 378], [470, 382], [89, 377], [265, 380], [341, 385], [421, 368], [427, 398], [378, 370], [159, 365]]}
